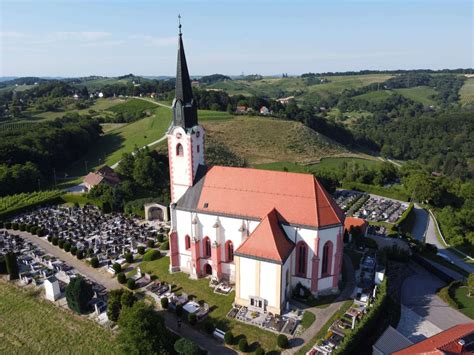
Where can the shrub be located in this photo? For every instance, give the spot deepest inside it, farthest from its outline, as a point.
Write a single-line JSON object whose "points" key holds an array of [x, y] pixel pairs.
{"points": [[67, 247], [40, 232], [114, 304], [95, 262], [22, 227], [165, 245], [131, 284], [228, 337], [3, 265], [164, 303], [50, 237], [128, 299], [90, 253], [61, 243], [141, 250], [161, 238], [28, 228], [55, 240], [192, 318], [117, 267], [34, 230], [121, 278], [15, 226], [209, 327], [8, 225], [129, 258], [282, 341], [151, 255], [150, 243], [243, 345], [179, 310], [259, 351], [74, 251], [78, 294], [186, 347], [11, 265]]}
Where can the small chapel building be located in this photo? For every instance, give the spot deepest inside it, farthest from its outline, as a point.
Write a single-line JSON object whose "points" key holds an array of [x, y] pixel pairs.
{"points": [[265, 231]]}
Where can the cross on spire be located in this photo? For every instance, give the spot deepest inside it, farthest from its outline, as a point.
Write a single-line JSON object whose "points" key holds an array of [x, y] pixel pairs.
{"points": [[179, 22]]}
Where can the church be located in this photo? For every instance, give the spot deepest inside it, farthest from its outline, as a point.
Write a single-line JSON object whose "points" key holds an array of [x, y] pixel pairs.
{"points": [[264, 231]]}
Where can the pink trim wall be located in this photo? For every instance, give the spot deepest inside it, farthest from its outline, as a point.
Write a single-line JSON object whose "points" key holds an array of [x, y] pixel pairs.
{"points": [[216, 259], [174, 250], [196, 255]]}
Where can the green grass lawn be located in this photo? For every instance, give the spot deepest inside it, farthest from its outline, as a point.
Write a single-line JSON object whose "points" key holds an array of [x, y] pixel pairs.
{"points": [[111, 146], [467, 91], [219, 304], [308, 319], [29, 325], [466, 303], [421, 94], [133, 106], [208, 115], [374, 96]]}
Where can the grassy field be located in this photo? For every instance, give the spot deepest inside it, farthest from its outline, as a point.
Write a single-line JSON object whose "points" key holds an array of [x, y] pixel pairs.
{"points": [[325, 164], [421, 94], [219, 304], [208, 115], [263, 140], [29, 325], [114, 143], [374, 96], [466, 303], [133, 107], [99, 105], [467, 91]]}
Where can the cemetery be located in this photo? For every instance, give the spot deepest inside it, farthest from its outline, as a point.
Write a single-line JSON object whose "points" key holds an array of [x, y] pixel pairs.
{"points": [[108, 237]]}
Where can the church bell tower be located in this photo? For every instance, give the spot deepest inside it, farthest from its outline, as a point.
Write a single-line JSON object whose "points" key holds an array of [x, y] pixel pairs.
{"points": [[185, 135]]}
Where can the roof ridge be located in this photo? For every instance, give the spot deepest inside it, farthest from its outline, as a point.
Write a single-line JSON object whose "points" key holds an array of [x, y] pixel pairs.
{"points": [[316, 199], [257, 191]]}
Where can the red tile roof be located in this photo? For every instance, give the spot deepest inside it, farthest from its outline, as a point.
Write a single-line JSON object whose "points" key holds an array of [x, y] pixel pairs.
{"points": [[268, 241], [445, 342], [299, 198], [93, 179], [355, 222]]}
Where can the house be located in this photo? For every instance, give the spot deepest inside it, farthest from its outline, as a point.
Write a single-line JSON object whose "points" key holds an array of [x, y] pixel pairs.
{"points": [[105, 175], [264, 110], [241, 109], [390, 341], [353, 222], [285, 100], [455, 340], [265, 231]]}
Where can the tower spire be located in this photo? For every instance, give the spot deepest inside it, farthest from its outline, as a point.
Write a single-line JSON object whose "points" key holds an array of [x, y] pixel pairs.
{"points": [[184, 106]]}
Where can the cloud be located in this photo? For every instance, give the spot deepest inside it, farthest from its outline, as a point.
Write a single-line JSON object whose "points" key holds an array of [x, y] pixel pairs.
{"points": [[13, 34], [154, 41], [81, 36]]}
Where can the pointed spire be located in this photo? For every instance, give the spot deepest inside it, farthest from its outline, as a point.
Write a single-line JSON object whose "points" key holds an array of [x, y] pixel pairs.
{"points": [[185, 114]]}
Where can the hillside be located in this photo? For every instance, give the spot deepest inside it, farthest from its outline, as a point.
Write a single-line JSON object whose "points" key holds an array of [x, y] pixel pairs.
{"points": [[467, 92], [263, 140]]}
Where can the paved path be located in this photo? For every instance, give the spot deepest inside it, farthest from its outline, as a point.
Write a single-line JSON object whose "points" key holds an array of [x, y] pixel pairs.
{"points": [[324, 314], [431, 312], [432, 239], [421, 223], [101, 276]]}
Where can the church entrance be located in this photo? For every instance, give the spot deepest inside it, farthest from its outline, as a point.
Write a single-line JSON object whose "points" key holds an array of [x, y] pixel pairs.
{"points": [[208, 269]]}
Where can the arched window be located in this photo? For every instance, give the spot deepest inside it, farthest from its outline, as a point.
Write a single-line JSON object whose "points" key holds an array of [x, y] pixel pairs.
{"points": [[187, 242], [229, 251], [301, 258], [179, 150], [207, 247], [327, 259]]}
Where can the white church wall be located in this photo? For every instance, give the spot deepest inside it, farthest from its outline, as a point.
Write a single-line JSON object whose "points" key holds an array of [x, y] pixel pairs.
{"points": [[326, 235], [324, 284], [247, 278], [269, 283], [198, 147], [180, 164]]}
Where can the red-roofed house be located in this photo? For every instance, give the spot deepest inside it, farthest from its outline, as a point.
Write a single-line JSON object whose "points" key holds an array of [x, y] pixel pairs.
{"points": [[105, 175], [265, 231], [354, 222], [456, 340]]}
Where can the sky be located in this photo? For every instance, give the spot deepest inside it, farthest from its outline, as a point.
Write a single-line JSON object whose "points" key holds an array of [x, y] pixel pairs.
{"points": [[116, 37]]}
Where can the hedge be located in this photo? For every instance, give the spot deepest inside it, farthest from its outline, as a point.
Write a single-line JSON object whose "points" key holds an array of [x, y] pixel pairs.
{"points": [[367, 325], [405, 222], [151, 255], [447, 293]]}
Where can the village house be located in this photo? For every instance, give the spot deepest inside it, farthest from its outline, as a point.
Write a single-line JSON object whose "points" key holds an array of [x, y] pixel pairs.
{"points": [[265, 231], [105, 175]]}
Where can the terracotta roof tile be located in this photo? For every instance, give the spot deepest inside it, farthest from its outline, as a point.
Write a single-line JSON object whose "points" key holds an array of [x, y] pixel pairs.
{"points": [[93, 179], [441, 343], [268, 241], [299, 198]]}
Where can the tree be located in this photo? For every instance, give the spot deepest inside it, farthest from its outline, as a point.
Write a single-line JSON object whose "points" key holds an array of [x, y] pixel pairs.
{"points": [[186, 347], [117, 268], [121, 278], [282, 341], [131, 284], [3, 265], [114, 304], [142, 331], [228, 337], [95, 262], [129, 258], [12, 265], [164, 303], [78, 295], [128, 299], [243, 345], [470, 284]]}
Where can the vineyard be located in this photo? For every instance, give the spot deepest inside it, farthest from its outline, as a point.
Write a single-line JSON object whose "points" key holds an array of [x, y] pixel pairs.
{"points": [[16, 203], [11, 126]]}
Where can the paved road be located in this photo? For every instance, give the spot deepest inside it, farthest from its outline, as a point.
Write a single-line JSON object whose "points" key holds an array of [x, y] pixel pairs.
{"points": [[323, 314], [429, 312], [421, 223], [432, 239]]}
